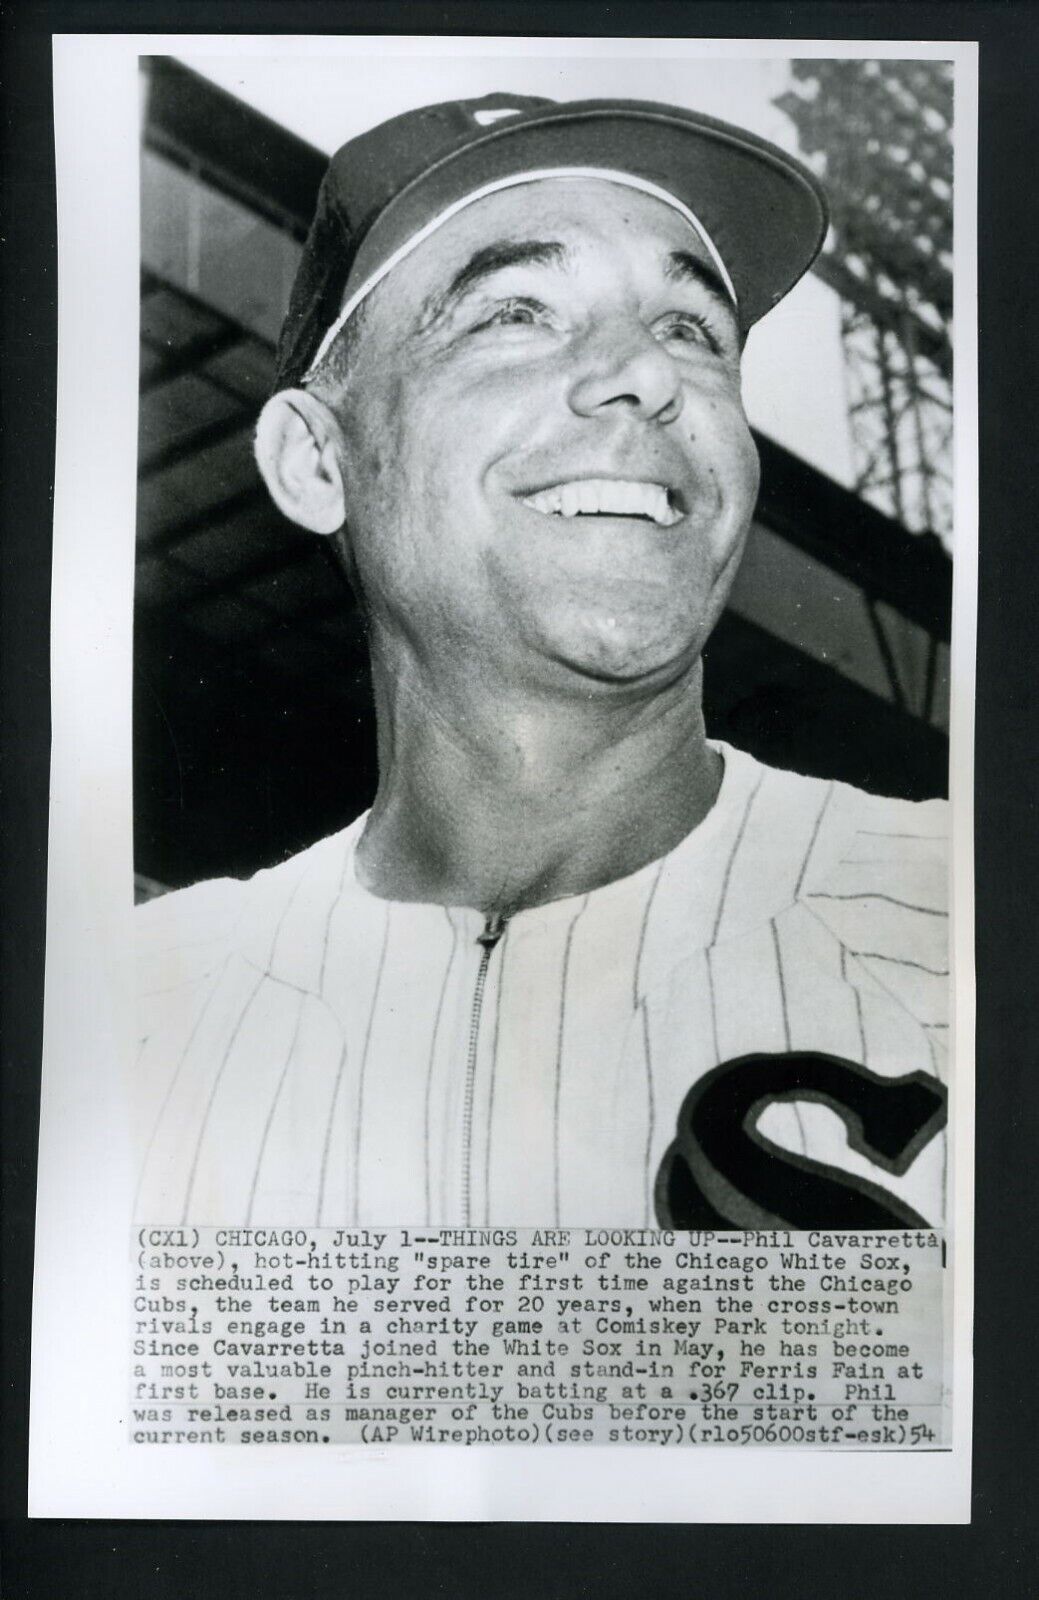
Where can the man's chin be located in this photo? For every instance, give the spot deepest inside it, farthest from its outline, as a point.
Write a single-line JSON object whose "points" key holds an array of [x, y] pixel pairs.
{"points": [[620, 656]]}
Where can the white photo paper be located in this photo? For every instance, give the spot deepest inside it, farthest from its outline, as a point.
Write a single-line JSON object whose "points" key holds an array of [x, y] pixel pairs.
{"points": [[509, 971]]}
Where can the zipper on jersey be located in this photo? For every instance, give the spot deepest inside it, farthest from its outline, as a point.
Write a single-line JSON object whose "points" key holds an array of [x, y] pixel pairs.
{"points": [[493, 929]]}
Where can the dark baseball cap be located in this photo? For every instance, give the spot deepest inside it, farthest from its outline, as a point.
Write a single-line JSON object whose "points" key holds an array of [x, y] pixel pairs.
{"points": [[761, 215]]}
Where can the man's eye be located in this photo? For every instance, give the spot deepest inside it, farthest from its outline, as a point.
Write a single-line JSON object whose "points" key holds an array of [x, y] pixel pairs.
{"points": [[513, 313], [689, 327]]}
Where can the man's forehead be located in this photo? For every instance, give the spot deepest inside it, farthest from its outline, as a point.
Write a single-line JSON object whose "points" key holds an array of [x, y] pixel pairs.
{"points": [[575, 213]]}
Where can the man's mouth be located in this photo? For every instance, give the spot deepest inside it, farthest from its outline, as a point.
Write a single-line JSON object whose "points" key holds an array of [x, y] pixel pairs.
{"points": [[608, 497]]}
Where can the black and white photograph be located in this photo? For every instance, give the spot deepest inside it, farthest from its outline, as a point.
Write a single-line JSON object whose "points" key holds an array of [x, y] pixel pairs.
{"points": [[545, 746], [563, 821]]}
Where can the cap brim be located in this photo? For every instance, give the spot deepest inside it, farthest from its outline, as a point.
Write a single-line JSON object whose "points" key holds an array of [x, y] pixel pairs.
{"points": [[765, 212]]}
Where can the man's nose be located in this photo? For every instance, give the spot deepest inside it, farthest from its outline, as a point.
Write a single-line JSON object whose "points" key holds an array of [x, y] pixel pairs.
{"points": [[625, 368]]}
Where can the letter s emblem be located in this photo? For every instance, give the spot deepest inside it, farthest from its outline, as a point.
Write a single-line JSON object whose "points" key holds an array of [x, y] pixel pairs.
{"points": [[721, 1170]]}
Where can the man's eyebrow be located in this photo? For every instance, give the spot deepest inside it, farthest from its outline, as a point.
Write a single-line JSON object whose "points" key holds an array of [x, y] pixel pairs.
{"points": [[490, 259], [682, 264]]}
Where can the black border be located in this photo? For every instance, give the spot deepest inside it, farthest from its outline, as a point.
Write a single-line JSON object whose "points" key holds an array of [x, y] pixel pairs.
{"points": [[998, 1554]]}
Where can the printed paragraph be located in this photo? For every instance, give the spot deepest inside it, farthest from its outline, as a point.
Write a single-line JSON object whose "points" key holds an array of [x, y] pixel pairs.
{"points": [[550, 1336]]}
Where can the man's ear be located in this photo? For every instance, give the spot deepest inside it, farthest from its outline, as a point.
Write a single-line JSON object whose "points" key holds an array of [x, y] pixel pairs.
{"points": [[296, 451]]}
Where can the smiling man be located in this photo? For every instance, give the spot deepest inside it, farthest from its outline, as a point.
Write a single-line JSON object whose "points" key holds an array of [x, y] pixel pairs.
{"points": [[578, 963]]}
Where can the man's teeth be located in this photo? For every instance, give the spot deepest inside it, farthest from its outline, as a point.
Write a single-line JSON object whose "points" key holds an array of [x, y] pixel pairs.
{"points": [[609, 497]]}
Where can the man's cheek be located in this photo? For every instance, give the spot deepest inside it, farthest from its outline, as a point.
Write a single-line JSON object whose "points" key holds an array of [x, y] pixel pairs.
{"points": [[736, 474], [752, 467], [376, 439]]}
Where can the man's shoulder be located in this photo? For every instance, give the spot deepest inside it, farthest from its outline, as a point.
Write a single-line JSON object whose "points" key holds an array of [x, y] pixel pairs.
{"points": [[845, 813], [872, 851], [195, 927], [810, 840], [885, 836]]}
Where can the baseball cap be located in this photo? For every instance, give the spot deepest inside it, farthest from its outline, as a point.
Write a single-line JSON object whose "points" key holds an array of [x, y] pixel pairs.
{"points": [[761, 214]]}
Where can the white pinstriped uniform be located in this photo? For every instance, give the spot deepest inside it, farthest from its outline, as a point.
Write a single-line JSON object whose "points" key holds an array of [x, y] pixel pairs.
{"points": [[312, 1054]]}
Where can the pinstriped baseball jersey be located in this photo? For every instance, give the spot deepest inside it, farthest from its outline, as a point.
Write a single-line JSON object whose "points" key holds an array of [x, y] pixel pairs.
{"points": [[312, 1054]]}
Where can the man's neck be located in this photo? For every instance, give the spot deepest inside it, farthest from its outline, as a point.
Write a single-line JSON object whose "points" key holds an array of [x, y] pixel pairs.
{"points": [[503, 808]]}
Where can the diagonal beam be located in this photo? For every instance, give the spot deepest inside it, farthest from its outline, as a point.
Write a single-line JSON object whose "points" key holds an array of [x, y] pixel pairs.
{"points": [[265, 566], [208, 516], [199, 439], [191, 355]]}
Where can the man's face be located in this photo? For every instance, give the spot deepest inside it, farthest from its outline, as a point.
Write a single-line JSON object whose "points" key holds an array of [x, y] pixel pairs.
{"points": [[548, 471]]}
